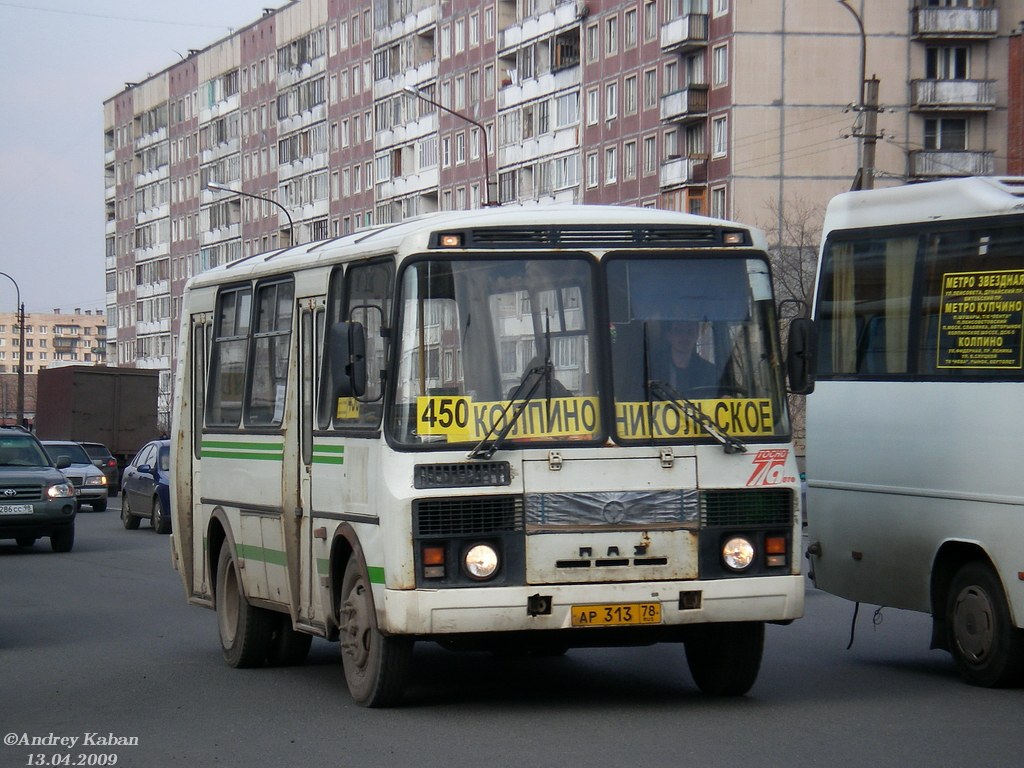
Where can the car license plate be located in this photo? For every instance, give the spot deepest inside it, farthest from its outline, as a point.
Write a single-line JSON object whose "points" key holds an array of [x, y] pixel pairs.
{"points": [[15, 509], [616, 614]]}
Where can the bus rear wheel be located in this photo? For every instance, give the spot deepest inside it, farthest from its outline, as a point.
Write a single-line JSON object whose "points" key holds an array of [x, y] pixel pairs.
{"points": [[724, 659], [987, 648], [376, 666], [245, 631]]}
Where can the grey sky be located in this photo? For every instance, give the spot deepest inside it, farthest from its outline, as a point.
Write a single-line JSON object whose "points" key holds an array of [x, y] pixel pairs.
{"points": [[61, 59]]}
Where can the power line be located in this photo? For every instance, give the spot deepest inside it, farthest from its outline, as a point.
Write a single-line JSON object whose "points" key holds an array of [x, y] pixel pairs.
{"points": [[113, 17]]}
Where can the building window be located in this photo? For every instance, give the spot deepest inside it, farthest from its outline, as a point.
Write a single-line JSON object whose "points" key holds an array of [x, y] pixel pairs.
{"points": [[947, 64], [629, 160], [611, 101], [592, 170], [945, 134], [721, 7], [593, 48], [629, 29], [629, 95], [720, 66], [593, 108], [650, 20], [611, 165], [611, 36], [719, 136], [650, 88], [650, 155], [718, 201]]}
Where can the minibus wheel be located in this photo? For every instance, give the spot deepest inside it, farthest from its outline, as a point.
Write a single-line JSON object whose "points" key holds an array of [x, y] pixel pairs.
{"points": [[376, 665], [987, 648], [245, 631], [724, 659]]}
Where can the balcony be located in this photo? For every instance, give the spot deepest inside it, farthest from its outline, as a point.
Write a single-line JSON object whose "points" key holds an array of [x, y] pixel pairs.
{"points": [[954, 95], [679, 171], [956, 23], [934, 163], [691, 103], [685, 33]]}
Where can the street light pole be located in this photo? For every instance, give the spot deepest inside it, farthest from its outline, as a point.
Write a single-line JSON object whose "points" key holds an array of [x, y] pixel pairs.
{"points": [[20, 314], [213, 185], [867, 105], [483, 132]]}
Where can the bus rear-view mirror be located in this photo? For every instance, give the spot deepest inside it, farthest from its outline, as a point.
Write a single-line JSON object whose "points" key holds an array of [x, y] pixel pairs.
{"points": [[347, 348], [801, 359]]}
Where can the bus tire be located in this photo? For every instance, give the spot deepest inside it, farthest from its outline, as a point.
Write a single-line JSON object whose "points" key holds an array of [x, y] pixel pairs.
{"points": [[987, 648], [376, 666], [245, 631], [724, 659], [288, 648]]}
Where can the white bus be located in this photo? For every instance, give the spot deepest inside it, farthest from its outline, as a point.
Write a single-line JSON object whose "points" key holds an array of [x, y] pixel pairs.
{"points": [[915, 496], [472, 428]]}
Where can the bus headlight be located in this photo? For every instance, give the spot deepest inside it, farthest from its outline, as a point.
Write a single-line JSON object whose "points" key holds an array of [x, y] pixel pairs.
{"points": [[738, 553], [481, 561]]}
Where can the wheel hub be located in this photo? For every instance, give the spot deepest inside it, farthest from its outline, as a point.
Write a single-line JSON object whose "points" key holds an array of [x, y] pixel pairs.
{"points": [[973, 623]]}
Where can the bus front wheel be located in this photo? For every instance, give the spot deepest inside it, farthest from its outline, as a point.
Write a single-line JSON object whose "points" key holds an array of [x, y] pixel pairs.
{"points": [[376, 666], [245, 631], [724, 659], [987, 648]]}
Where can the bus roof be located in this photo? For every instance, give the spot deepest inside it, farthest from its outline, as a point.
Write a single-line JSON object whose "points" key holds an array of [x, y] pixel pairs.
{"points": [[413, 234], [930, 201]]}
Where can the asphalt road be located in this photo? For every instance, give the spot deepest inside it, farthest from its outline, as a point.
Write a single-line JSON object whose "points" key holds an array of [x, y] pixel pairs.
{"points": [[99, 644]]}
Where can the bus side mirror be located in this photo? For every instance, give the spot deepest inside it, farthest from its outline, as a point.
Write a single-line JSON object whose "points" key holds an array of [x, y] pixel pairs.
{"points": [[347, 348], [802, 358]]}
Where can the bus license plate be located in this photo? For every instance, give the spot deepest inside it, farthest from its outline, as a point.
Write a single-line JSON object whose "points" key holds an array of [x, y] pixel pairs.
{"points": [[15, 509], [616, 614]]}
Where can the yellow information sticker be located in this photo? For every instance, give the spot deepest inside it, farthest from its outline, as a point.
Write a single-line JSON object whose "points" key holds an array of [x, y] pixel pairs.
{"points": [[459, 418], [347, 408], [739, 417]]}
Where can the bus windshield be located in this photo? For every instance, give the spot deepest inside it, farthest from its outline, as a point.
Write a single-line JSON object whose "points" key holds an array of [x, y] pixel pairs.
{"points": [[483, 339], [695, 329], [499, 350]]}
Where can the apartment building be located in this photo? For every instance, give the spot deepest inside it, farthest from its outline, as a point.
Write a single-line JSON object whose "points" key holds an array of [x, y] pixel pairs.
{"points": [[51, 338], [325, 116]]}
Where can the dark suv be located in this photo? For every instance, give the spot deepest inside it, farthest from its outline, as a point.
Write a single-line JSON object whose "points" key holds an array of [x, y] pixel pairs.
{"points": [[35, 498]]}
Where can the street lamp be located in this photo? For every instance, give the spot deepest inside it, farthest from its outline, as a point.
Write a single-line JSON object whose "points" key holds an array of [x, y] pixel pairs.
{"points": [[483, 132], [867, 105], [20, 314], [213, 185]]}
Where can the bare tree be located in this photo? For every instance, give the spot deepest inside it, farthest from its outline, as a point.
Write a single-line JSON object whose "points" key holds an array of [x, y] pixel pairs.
{"points": [[794, 236]]}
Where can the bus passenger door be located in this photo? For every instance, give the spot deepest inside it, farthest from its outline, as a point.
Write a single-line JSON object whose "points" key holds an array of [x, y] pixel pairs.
{"points": [[311, 323], [195, 560]]}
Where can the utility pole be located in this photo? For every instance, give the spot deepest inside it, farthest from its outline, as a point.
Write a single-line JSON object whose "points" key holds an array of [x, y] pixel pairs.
{"points": [[866, 106]]}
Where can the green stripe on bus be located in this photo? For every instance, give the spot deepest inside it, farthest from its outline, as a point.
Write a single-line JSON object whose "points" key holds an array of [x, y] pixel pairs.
{"points": [[237, 449], [243, 455], [328, 454], [239, 444], [269, 556], [376, 574]]}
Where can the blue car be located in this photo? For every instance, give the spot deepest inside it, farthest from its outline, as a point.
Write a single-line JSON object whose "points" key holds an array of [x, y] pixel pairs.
{"points": [[145, 488]]}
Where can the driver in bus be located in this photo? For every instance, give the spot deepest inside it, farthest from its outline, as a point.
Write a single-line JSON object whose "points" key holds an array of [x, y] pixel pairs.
{"points": [[684, 369]]}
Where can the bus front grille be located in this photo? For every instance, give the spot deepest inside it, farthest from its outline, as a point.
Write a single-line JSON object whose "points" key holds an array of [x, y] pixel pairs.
{"points": [[467, 516], [760, 507]]}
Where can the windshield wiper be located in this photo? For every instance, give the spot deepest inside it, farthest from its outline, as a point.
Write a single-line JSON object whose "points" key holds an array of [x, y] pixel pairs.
{"points": [[544, 373], [540, 374], [689, 410]]}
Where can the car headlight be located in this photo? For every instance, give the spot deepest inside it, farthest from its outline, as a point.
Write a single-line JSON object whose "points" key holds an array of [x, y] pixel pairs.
{"points": [[61, 491], [481, 561], [738, 553], [96, 480]]}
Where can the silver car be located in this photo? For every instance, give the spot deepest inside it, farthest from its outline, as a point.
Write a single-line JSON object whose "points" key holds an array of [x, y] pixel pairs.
{"points": [[90, 483]]}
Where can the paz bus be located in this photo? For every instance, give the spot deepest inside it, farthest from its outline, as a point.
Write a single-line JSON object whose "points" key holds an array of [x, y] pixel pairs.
{"points": [[914, 428], [462, 428]]}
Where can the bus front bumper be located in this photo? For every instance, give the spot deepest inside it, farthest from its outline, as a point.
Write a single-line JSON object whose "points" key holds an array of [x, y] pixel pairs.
{"points": [[549, 607]]}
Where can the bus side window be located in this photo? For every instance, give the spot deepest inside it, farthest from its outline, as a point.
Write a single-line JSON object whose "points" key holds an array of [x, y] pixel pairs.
{"points": [[268, 359], [228, 357]]}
